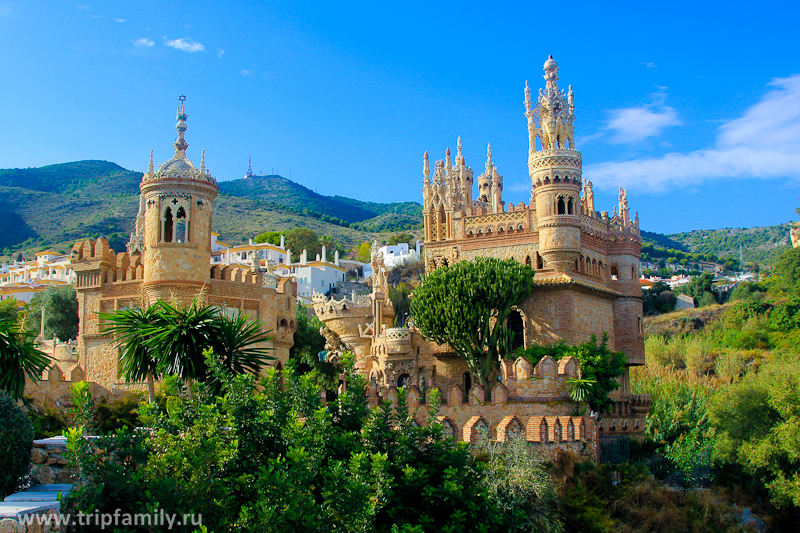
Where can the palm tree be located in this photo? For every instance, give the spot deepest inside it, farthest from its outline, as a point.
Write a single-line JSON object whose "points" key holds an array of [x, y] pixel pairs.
{"points": [[234, 342], [170, 339], [180, 336], [132, 328], [19, 357]]}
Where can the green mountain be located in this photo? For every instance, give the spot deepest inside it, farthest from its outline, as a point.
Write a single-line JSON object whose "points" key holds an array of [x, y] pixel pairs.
{"points": [[53, 206], [759, 245]]}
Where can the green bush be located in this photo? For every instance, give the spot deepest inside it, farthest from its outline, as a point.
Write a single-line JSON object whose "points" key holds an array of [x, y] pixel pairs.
{"points": [[16, 443], [600, 367], [275, 459], [46, 422], [109, 417]]}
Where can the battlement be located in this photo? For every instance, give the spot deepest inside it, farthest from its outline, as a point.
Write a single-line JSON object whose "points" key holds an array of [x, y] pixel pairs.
{"points": [[95, 263], [236, 273], [541, 424]]}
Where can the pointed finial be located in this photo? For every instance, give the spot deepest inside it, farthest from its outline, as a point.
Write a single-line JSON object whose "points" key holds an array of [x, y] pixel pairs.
{"points": [[426, 168], [203, 163], [489, 152], [150, 168], [180, 143]]}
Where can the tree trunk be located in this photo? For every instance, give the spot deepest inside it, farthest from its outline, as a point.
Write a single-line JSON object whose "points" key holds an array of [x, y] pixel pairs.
{"points": [[151, 388]]}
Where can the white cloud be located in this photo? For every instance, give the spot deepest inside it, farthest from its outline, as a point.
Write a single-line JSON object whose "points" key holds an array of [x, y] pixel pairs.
{"points": [[187, 45], [220, 53], [120, 20], [762, 143], [650, 64], [83, 7], [635, 124], [245, 72], [144, 41]]}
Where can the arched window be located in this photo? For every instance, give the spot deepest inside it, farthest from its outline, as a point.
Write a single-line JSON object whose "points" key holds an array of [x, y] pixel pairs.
{"points": [[516, 324], [614, 272], [570, 210], [528, 260], [448, 429], [181, 226], [561, 209], [467, 380], [513, 429], [539, 262], [403, 380], [168, 228]]}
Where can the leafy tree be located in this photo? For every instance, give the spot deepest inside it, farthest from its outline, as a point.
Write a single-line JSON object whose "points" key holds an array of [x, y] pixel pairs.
{"points": [[308, 343], [299, 239], [758, 428], [401, 238], [9, 309], [60, 304], [600, 367], [271, 237], [19, 357], [274, 459], [400, 295], [701, 288], [467, 306], [362, 252], [788, 268], [16, 441]]}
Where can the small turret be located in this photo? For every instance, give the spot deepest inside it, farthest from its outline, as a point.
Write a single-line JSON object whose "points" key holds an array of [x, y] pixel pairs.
{"points": [[485, 179]]}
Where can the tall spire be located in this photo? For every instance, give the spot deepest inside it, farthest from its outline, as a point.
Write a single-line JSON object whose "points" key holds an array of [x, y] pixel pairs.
{"points": [[180, 143], [426, 169], [459, 154], [449, 162], [203, 163], [150, 168], [489, 162]]}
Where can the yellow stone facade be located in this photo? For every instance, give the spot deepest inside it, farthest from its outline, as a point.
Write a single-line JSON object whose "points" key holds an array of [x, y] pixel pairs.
{"points": [[168, 258]]}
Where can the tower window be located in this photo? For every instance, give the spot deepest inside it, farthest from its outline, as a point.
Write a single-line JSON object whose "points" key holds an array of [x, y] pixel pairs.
{"points": [[570, 209], [561, 207], [181, 226], [168, 230]]}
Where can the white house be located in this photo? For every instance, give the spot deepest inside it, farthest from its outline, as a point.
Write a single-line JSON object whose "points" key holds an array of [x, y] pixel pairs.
{"points": [[320, 275], [399, 254], [23, 279], [250, 254]]}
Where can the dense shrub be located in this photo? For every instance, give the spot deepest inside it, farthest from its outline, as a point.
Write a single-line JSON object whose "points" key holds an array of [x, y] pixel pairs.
{"points": [[109, 417], [600, 367], [16, 443], [47, 422], [276, 459]]}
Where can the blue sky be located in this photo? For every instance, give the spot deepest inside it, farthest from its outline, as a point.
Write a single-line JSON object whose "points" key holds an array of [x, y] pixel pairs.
{"points": [[693, 107]]}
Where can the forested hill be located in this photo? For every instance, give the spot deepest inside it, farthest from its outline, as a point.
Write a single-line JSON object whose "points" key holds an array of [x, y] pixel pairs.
{"points": [[53, 206], [760, 245], [282, 191]]}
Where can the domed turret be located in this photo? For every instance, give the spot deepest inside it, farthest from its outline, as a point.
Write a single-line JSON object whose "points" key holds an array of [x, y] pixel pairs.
{"points": [[177, 201]]}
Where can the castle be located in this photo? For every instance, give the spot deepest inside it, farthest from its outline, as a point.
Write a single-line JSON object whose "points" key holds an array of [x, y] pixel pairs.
{"points": [[168, 258], [586, 283]]}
